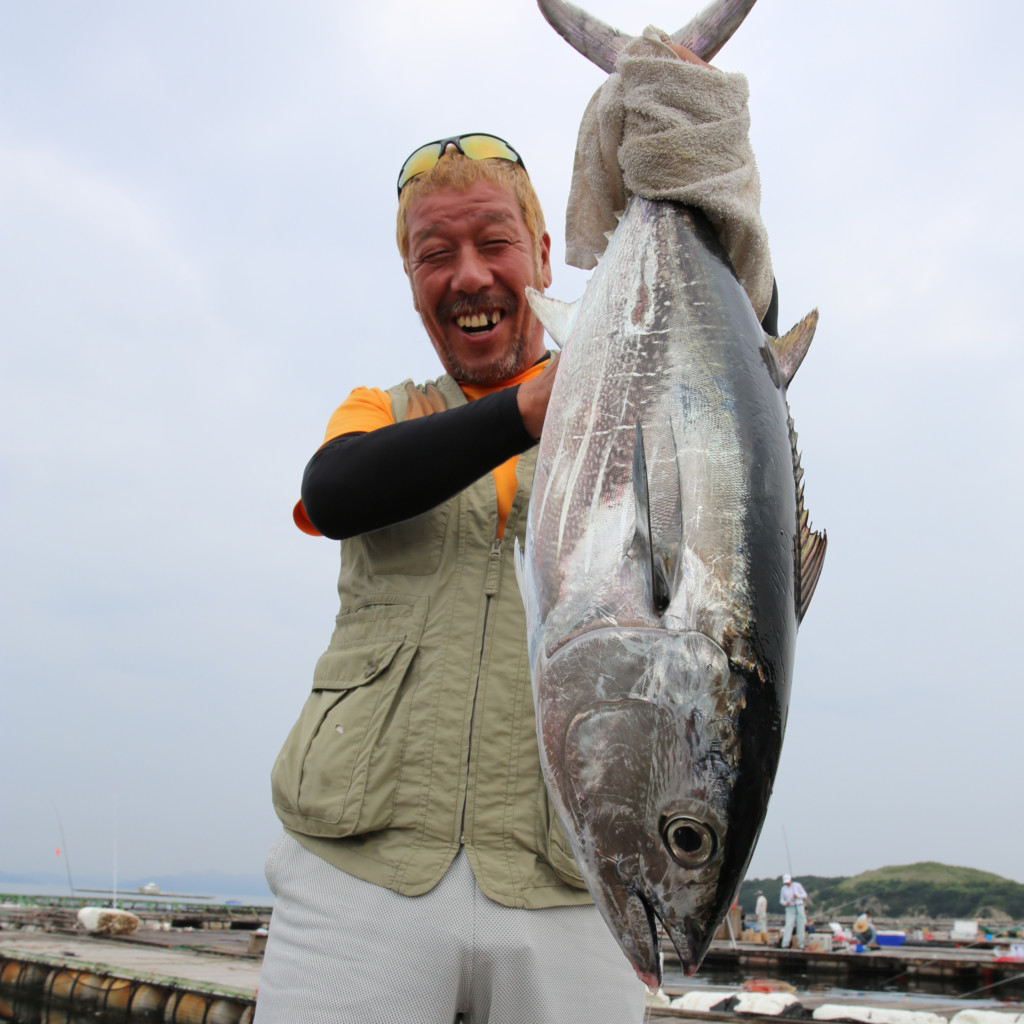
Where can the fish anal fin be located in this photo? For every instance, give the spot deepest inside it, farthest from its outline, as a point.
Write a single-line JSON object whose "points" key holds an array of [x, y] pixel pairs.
{"points": [[556, 316], [791, 348]]}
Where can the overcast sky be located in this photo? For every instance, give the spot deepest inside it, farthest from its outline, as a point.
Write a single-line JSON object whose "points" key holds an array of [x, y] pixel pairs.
{"points": [[198, 264]]}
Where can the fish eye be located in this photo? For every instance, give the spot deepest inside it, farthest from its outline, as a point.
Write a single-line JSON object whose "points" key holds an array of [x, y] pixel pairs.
{"points": [[691, 842]]}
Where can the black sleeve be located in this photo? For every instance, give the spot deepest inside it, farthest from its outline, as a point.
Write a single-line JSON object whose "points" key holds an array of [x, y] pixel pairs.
{"points": [[360, 482]]}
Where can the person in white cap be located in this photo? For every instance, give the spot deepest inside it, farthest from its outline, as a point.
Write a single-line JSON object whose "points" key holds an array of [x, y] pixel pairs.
{"points": [[792, 897]]}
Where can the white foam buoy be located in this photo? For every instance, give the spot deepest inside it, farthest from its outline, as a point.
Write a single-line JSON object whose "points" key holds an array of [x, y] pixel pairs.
{"points": [[769, 1004], [703, 1002], [987, 1017], [106, 921], [658, 998], [875, 1014]]}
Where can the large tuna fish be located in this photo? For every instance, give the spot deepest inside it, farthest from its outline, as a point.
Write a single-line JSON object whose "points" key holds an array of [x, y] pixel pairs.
{"points": [[668, 562]]}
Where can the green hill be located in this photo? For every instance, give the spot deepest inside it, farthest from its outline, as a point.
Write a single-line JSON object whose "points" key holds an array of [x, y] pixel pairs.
{"points": [[927, 890]]}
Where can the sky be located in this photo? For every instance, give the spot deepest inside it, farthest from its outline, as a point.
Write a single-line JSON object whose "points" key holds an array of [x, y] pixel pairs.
{"points": [[197, 264]]}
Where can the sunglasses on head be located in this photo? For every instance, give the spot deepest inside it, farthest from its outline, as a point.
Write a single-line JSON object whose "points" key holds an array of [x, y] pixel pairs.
{"points": [[476, 146]]}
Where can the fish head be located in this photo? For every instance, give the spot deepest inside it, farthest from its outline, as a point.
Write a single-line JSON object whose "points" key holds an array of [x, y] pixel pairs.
{"points": [[650, 784]]}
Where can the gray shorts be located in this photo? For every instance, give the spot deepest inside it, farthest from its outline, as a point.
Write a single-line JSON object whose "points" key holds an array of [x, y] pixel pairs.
{"points": [[343, 951]]}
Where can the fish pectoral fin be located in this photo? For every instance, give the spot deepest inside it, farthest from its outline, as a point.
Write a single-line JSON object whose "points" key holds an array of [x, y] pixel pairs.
{"points": [[657, 560], [556, 316], [791, 348]]}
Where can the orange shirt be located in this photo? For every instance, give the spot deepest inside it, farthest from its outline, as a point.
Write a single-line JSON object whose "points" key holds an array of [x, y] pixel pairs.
{"points": [[368, 409]]}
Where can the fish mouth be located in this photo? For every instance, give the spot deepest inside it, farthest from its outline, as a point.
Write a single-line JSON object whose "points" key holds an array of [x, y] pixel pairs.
{"points": [[643, 929], [645, 956]]}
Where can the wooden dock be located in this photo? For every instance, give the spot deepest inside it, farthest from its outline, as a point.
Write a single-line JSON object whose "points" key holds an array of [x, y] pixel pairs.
{"points": [[211, 976], [959, 970], [176, 977]]}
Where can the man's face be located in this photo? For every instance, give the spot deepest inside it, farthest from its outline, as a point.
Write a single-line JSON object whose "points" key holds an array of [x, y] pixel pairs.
{"points": [[470, 259]]}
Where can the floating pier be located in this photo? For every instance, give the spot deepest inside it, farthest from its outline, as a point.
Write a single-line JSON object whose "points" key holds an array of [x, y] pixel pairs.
{"points": [[960, 970], [135, 979], [210, 976]]}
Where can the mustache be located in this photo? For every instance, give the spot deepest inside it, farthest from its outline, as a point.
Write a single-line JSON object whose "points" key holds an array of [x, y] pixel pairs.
{"points": [[471, 305]]}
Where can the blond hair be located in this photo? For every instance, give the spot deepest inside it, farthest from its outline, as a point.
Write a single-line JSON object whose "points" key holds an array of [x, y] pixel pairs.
{"points": [[458, 172]]}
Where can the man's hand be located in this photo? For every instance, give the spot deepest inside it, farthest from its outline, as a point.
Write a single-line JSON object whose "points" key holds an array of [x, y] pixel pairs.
{"points": [[533, 398], [687, 55]]}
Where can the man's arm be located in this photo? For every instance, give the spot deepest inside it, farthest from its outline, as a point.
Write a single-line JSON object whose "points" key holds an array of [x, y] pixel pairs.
{"points": [[361, 482]]}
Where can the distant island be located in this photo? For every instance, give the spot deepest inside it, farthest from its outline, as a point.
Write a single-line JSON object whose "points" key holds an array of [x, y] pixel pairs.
{"points": [[926, 890], [212, 884]]}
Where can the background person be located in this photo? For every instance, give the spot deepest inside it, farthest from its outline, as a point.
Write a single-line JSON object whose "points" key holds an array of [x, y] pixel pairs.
{"points": [[792, 897], [761, 911], [864, 931]]}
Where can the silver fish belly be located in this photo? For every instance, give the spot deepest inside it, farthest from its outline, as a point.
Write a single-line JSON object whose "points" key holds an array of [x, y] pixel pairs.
{"points": [[668, 561]]}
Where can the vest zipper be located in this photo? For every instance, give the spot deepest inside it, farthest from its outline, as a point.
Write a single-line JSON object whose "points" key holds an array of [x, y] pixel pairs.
{"points": [[490, 589]]}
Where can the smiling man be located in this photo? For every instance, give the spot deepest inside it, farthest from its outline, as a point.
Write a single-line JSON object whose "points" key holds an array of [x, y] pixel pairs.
{"points": [[470, 257], [422, 874]]}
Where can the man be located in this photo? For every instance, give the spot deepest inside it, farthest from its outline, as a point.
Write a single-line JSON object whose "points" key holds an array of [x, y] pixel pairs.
{"points": [[761, 910], [864, 931], [422, 873], [792, 897]]}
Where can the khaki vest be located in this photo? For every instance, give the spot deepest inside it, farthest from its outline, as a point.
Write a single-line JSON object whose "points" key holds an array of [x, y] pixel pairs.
{"points": [[420, 727]]}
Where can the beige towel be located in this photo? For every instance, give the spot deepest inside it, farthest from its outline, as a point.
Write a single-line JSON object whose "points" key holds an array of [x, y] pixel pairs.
{"points": [[663, 128]]}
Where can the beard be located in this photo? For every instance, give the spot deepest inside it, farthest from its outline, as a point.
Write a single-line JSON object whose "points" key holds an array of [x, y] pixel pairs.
{"points": [[503, 366]]}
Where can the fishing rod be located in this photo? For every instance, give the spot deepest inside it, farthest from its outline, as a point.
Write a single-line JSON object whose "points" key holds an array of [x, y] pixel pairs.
{"points": [[64, 847], [789, 860]]}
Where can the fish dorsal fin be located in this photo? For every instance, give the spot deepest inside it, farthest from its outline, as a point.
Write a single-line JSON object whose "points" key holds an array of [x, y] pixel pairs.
{"points": [[810, 545], [791, 348], [658, 575], [556, 316]]}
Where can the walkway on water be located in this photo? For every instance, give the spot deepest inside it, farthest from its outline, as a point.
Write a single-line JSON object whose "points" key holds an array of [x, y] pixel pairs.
{"points": [[178, 977], [952, 969], [207, 976]]}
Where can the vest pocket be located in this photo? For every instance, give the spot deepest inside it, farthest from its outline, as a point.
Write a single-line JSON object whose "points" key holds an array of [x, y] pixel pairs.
{"points": [[338, 771], [389, 549]]}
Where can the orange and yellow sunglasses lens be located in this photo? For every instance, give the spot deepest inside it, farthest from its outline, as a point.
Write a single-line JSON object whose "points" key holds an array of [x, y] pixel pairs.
{"points": [[476, 147]]}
